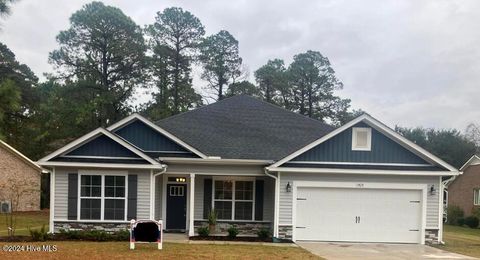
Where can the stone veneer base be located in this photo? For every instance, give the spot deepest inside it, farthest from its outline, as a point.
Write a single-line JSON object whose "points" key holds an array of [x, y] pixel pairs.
{"points": [[88, 226], [244, 228]]}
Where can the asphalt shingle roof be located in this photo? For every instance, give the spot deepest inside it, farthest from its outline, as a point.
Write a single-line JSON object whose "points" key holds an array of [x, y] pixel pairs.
{"points": [[242, 127]]}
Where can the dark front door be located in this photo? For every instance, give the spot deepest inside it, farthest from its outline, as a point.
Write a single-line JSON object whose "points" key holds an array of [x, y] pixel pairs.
{"points": [[176, 206]]}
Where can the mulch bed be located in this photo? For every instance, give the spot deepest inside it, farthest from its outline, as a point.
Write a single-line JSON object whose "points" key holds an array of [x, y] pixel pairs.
{"points": [[238, 239]]}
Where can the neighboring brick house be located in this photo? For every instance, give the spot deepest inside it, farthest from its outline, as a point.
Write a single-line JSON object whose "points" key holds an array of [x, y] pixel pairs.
{"points": [[464, 190], [16, 167]]}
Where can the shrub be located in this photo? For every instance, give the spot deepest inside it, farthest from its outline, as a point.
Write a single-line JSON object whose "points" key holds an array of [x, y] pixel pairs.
{"points": [[94, 235], [453, 214], [203, 231], [212, 217], [476, 212], [471, 221], [263, 233], [39, 235], [461, 221], [232, 231]]}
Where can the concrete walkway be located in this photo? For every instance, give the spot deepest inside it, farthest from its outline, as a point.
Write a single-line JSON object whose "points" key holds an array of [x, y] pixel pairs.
{"points": [[371, 251]]}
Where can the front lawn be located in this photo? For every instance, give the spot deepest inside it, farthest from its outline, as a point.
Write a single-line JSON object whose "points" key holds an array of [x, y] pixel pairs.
{"points": [[462, 240], [120, 250], [25, 220]]}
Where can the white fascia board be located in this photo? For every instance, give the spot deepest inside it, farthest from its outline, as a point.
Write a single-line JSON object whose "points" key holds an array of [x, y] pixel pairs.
{"points": [[136, 116], [101, 165], [362, 171], [473, 160], [85, 138], [380, 127], [215, 161]]}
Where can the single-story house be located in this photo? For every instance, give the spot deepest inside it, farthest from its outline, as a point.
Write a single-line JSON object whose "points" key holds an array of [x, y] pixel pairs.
{"points": [[259, 166], [19, 181], [464, 190]]}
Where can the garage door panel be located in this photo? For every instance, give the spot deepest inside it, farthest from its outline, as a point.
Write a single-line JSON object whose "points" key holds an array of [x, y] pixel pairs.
{"points": [[330, 214]]}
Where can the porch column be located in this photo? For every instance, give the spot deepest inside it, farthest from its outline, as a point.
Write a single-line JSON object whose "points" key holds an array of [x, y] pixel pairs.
{"points": [[191, 229]]}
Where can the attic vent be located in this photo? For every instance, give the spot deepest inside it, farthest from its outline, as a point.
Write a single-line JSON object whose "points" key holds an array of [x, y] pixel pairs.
{"points": [[361, 139], [5, 207]]}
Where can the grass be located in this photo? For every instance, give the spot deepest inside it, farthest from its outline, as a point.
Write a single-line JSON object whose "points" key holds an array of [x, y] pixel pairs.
{"points": [[120, 250], [25, 220], [462, 240]]}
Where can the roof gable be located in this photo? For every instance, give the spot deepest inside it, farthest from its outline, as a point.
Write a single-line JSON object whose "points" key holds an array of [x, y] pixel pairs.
{"points": [[394, 139], [338, 151], [151, 141], [99, 146], [242, 127]]}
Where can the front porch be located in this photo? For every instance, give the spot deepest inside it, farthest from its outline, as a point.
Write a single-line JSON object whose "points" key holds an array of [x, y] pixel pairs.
{"points": [[184, 202]]}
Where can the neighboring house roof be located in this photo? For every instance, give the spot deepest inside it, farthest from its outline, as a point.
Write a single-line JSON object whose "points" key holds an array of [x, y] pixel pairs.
{"points": [[20, 155], [474, 160], [242, 127], [381, 128]]}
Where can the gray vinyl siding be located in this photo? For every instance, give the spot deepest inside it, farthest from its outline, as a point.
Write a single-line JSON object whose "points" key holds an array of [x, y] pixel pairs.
{"points": [[158, 197], [61, 193], [143, 195], [285, 205]]}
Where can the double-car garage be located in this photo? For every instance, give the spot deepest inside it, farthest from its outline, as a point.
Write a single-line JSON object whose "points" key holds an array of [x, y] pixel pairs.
{"points": [[359, 212]]}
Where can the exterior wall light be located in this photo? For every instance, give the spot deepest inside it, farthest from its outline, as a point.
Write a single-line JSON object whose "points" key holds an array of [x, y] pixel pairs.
{"points": [[289, 187], [432, 190]]}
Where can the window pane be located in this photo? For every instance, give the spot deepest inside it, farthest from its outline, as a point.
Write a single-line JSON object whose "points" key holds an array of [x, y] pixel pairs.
{"points": [[96, 191], [86, 180], [120, 181], [224, 209], [85, 191], [120, 192], [244, 190], [114, 209], [90, 208], [223, 190], [96, 180], [109, 180], [476, 197], [109, 192], [243, 210]]}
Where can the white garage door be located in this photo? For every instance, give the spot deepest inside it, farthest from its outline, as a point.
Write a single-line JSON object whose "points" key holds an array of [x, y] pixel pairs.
{"points": [[358, 215]]}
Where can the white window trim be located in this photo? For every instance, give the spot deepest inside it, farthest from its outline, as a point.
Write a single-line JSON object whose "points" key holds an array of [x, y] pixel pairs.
{"points": [[102, 198], [234, 180], [354, 138], [476, 203]]}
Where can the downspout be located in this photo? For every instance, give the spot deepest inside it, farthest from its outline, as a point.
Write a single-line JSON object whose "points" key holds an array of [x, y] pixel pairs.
{"points": [[277, 200], [152, 189]]}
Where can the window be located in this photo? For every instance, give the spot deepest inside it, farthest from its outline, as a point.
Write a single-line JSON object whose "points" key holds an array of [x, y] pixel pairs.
{"points": [[114, 198], [90, 196], [476, 197], [361, 139], [102, 197], [233, 200]]}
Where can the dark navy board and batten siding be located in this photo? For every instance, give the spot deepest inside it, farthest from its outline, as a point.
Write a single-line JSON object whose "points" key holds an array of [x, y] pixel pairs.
{"points": [[148, 139], [339, 149], [103, 146]]}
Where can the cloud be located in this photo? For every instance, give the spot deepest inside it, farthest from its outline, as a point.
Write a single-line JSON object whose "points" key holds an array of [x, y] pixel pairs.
{"points": [[405, 62]]}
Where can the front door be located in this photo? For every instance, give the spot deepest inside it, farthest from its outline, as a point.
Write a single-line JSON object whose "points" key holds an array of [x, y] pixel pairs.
{"points": [[176, 206]]}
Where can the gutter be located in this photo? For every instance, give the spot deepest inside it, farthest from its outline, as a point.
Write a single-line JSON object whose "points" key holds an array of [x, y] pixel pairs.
{"points": [[152, 189], [277, 201]]}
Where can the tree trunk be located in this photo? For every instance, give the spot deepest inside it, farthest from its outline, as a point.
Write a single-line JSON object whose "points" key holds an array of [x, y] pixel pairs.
{"points": [[176, 78]]}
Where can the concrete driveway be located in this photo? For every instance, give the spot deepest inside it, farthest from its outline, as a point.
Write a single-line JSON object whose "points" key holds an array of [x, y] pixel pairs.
{"points": [[371, 251]]}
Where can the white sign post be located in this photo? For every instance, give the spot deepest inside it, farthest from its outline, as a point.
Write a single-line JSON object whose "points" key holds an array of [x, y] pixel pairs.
{"points": [[155, 236]]}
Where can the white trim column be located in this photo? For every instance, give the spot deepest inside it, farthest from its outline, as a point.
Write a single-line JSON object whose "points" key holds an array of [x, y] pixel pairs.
{"points": [[191, 229], [51, 228]]}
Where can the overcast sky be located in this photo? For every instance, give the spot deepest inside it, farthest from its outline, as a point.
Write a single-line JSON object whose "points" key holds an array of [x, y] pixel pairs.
{"points": [[412, 63]]}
